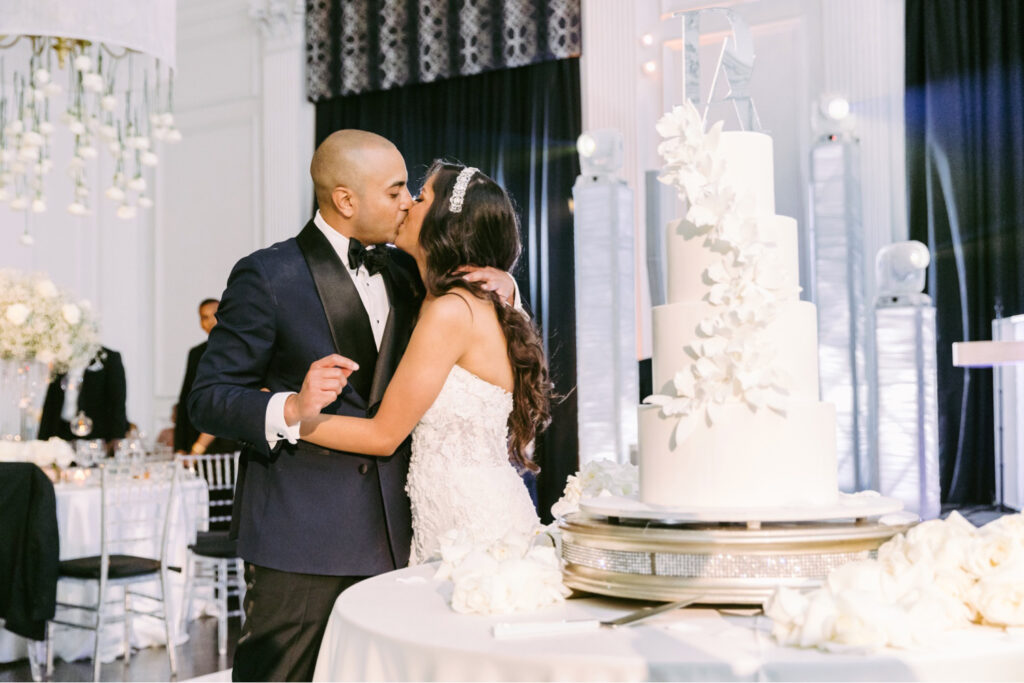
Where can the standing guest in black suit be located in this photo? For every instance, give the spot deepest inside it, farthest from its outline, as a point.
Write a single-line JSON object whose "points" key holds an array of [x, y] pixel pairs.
{"points": [[188, 439], [312, 521], [101, 396]]}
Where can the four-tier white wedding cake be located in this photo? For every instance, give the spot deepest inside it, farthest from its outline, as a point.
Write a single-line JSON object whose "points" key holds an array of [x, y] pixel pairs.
{"points": [[736, 420]]}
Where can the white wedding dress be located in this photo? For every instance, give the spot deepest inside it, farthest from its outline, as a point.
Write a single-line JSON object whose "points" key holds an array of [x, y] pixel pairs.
{"points": [[460, 476]]}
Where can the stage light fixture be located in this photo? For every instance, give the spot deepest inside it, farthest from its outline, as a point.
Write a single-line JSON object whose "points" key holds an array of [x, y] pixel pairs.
{"points": [[600, 152], [900, 268], [837, 108]]}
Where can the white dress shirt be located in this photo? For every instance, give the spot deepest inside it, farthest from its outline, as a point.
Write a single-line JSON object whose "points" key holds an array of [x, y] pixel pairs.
{"points": [[374, 295]]}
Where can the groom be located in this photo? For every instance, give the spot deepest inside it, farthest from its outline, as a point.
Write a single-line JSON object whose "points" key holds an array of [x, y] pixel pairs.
{"points": [[310, 521]]}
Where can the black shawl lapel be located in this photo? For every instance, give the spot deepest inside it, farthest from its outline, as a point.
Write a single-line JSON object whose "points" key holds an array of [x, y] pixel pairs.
{"points": [[346, 315]]}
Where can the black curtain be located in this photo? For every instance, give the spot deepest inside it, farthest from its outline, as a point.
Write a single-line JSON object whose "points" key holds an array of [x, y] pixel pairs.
{"points": [[356, 46], [965, 168], [518, 126]]}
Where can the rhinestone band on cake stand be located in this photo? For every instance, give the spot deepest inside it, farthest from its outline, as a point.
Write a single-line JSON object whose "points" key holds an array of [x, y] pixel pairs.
{"points": [[625, 548]]}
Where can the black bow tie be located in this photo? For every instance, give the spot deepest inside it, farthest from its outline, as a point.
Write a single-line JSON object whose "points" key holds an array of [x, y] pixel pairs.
{"points": [[375, 259]]}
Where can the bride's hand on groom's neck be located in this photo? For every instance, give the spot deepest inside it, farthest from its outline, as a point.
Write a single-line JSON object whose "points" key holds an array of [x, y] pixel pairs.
{"points": [[323, 383]]}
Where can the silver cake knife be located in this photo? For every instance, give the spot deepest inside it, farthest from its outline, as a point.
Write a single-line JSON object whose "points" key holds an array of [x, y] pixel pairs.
{"points": [[527, 629]]}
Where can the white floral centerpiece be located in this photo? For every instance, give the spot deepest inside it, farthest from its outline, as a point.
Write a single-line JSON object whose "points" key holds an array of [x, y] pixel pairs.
{"points": [[43, 332], [39, 322], [511, 574], [941, 575], [52, 452], [732, 362]]}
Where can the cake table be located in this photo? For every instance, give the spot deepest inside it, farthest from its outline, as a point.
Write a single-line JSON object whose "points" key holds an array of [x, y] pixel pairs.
{"points": [[399, 627]]}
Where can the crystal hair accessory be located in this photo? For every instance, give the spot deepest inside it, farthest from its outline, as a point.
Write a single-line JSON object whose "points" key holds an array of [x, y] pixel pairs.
{"points": [[459, 193]]}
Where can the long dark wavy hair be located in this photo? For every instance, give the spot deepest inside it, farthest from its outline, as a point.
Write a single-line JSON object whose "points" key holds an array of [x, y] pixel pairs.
{"points": [[486, 233]]}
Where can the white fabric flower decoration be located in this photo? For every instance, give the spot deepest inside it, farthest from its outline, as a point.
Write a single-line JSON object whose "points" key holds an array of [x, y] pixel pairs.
{"points": [[46, 289], [17, 314], [506, 576], [72, 314]]}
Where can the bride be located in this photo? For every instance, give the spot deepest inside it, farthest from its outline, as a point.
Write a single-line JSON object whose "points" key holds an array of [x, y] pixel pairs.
{"points": [[473, 385]]}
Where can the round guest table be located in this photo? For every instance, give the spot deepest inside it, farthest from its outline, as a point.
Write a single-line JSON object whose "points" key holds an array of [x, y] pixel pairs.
{"points": [[399, 627], [78, 521]]}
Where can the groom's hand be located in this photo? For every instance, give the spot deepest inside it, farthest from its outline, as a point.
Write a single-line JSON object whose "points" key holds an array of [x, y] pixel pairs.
{"points": [[492, 280], [324, 381]]}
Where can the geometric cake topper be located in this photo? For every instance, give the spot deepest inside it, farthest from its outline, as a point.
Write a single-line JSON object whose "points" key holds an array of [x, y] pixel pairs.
{"points": [[736, 61]]}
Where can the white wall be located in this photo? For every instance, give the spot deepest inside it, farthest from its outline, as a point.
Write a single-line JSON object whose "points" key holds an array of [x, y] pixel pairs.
{"points": [[237, 181], [804, 48]]}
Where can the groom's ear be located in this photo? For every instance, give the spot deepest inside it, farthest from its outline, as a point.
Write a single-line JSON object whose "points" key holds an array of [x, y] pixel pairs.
{"points": [[344, 201]]}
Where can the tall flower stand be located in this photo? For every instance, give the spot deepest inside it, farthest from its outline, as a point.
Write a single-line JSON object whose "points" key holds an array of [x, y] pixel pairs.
{"points": [[22, 390]]}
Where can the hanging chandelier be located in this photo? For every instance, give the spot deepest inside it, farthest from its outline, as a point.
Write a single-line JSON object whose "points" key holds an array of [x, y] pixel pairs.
{"points": [[79, 78]]}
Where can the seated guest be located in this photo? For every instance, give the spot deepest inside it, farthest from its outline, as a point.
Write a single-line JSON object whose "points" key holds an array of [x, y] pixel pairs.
{"points": [[166, 435], [188, 439], [99, 393]]}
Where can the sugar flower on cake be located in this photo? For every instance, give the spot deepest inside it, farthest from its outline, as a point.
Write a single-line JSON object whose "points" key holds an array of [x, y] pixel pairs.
{"points": [[602, 477], [512, 574], [941, 575], [40, 322], [733, 362]]}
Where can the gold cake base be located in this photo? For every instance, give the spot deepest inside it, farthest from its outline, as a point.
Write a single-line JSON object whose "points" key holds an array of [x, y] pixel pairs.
{"points": [[717, 563]]}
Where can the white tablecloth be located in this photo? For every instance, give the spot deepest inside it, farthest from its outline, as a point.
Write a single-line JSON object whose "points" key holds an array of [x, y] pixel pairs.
{"points": [[399, 627], [78, 519]]}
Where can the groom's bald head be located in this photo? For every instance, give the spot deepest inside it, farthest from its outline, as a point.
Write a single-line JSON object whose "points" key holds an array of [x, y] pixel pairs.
{"points": [[360, 183]]}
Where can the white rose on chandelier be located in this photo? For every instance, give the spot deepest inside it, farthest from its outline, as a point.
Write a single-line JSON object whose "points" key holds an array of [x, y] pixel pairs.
{"points": [[95, 113], [93, 82]]}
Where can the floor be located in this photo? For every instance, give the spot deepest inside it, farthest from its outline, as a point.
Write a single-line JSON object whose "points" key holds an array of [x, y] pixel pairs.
{"points": [[197, 657]]}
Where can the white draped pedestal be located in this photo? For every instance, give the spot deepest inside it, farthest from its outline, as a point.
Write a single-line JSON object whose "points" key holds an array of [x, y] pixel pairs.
{"points": [[78, 519], [399, 627]]}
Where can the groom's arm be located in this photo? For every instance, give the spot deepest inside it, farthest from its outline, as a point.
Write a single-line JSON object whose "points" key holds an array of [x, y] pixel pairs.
{"points": [[498, 281], [226, 399]]}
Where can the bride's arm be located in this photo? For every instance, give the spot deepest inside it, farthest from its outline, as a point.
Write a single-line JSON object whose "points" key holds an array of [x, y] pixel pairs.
{"points": [[438, 341]]}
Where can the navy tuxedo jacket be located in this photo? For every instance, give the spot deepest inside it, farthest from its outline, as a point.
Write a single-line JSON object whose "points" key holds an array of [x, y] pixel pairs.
{"points": [[301, 508]]}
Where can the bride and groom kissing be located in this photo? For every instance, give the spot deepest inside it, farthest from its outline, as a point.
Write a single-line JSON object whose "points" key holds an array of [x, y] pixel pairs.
{"points": [[331, 348]]}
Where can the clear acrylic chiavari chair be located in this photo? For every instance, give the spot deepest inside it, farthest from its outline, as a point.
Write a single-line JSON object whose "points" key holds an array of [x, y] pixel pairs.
{"points": [[135, 513], [213, 560]]}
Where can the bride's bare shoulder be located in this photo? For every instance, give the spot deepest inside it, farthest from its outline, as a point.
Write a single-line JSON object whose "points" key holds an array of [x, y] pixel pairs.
{"points": [[454, 307]]}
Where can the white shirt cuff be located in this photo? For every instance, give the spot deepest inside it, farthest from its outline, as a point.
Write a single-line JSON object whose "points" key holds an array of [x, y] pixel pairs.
{"points": [[277, 428], [517, 301]]}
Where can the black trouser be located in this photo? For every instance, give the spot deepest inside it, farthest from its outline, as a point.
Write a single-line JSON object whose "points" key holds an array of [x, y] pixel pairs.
{"points": [[285, 618]]}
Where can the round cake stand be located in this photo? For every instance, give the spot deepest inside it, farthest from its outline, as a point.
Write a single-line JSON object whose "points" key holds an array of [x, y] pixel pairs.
{"points": [[623, 548], [857, 506]]}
